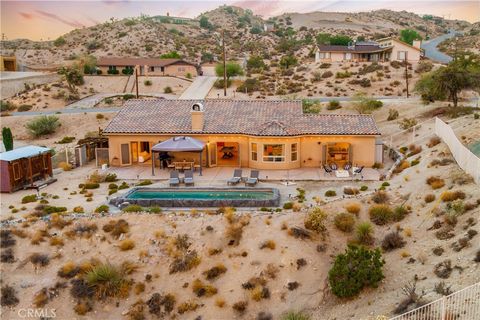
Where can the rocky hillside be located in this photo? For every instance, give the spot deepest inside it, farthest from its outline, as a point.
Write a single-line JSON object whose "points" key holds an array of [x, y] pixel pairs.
{"points": [[152, 36], [469, 41]]}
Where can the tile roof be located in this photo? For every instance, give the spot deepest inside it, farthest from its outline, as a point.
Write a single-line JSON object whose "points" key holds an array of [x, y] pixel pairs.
{"points": [[249, 117], [113, 61]]}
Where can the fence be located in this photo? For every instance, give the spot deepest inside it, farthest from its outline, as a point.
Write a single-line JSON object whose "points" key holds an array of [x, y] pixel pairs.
{"points": [[465, 158], [460, 305]]}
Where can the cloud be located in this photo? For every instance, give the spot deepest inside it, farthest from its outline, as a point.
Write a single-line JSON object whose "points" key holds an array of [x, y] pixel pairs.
{"points": [[28, 16], [115, 2], [73, 23]]}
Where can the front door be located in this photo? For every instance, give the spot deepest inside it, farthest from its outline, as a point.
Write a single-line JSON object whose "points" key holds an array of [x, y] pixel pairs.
{"points": [[212, 155]]}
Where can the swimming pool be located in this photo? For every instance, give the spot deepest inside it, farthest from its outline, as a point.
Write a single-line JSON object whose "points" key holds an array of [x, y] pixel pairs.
{"points": [[475, 148], [200, 197]]}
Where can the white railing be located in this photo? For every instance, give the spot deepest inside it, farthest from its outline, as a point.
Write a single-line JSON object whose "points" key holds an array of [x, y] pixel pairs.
{"points": [[465, 158], [460, 305]]}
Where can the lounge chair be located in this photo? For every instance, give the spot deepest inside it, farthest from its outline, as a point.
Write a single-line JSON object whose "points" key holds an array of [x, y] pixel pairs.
{"points": [[189, 178], [358, 171], [334, 166], [253, 179], [347, 166], [174, 178], [237, 177], [327, 169]]}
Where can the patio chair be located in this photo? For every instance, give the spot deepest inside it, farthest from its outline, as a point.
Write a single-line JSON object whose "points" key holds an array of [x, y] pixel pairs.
{"points": [[174, 178], [327, 169], [253, 179], [358, 171], [170, 165], [347, 166], [189, 178], [334, 166], [237, 177]]}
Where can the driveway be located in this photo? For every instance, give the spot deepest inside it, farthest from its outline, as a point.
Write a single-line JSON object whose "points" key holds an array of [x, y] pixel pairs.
{"points": [[199, 88], [90, 101], [431, 50]]}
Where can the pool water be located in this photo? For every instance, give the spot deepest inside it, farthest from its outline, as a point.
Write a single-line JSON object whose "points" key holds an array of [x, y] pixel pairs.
{"points": [[201, 194], [475, 148]]}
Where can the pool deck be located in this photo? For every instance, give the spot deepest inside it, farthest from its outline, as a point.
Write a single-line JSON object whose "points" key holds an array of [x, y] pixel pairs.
{"points": [[216, 175]]}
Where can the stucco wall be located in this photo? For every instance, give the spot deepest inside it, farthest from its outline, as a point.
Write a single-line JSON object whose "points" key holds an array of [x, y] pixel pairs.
{"points": [[412, 53], [179, 70], [16, 83], [309, 149]]}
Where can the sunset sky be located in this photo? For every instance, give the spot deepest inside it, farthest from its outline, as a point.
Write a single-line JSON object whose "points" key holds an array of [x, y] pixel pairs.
{"points": [[49, 19]]}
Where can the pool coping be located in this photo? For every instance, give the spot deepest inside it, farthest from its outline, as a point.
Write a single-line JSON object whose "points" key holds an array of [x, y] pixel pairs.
{"points": [[123, 200]]}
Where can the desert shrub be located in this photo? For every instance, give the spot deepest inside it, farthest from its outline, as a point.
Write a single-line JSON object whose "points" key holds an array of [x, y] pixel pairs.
{"points": [[380, 197], [29, 198], [8, 296], [53, 209], [380, 214], [203, 290], [364, 82], [288, 205], [240, 307], [68, 270], [429, 198], [363, 188], [315, 220], [24, 107], [215, 272], [333, 105], [311, 106], [106, 280], [344, 222], [424, 66], [66, 139], [147, 83], [102, 209], [325, 65], [448, 196], [355, 269], [6, 106], [435, 182], [42, 125], [270, 244], [392, 114], [111, 177], [343, 75], [295, 315], [133, 208], [350, 191], [399, 213], [364, 233], [7, 256], [155, 210], [90, 185], [39, 259], [407, 123], [366, 105], [433, 142], [443, 269], [249, 85], [185, 263], [116, 228], [353, 208], [127, 244], [330, 193], [327, 74], [145, 182], [167, 89], [6, 239], [392, 240]]}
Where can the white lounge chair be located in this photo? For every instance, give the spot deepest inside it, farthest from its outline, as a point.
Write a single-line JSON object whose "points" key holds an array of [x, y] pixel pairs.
{"points": [[189, 178], [253, 179], [237, 177]]}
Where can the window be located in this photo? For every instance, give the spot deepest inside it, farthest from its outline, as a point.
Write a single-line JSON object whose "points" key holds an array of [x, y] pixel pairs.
{"points": [[254, 152], [273, 153], [181, 69], [16, 171], [402, 55], [348, 56], [151, 69], [112, 68], [294, 152], [324, 55]]}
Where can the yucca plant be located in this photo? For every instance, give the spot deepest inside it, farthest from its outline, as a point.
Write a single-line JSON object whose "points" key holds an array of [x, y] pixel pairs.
{"points": [[106, 279], [293, 315], [364, 233]]}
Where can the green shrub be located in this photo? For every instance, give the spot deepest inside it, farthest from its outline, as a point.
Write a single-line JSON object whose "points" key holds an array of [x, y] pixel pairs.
{"points": [[145, 183], [344, 222], [112, 186], [6, 106], [111, 177], [293, 315], [24, 107], [315, 220], [311, 106], [330, 193], [123, 185], [167, 90], [102, 209], [128, 96], [355, 269], [147, 83], [53, 209], [43, 125], [380, 214], [219, 83], [60, 41], [363, 188], [106, 279], [392, 240], [90, 185], [392, 114], [399, 213], [133, 208], [333, 105], [155, 210], [112, 191], [66, 139], [364, 233], [29, 198], [288, 205], [343, 75], [249, 85], [188, 75]]}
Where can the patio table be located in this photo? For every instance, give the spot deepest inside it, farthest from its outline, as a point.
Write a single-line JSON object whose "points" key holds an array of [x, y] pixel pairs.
{"points": [[183, 165], [342, 174]]}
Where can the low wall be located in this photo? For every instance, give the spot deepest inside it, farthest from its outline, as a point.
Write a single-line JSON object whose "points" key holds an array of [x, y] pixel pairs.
{"points": [[465, 158], [14, 83]]}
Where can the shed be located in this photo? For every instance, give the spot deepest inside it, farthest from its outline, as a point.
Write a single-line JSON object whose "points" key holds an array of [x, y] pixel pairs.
{"points": [[22, 167]]}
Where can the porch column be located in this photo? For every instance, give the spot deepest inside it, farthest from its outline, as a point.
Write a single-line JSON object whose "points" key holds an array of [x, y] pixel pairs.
{"points": [[153, 163], [201, 162]]}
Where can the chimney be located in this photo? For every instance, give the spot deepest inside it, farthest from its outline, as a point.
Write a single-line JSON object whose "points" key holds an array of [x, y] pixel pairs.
{"points": [[417, 43], [197, 117]]}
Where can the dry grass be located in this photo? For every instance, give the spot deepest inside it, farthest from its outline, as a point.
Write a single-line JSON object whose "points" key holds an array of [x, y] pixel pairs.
{"points": [[353, 207], [187, 306], [215, 272], [435, 182], [202, 289], [448, 196], [269, 244], [127, 244], [344, 222], [429, 198], [220, 302]]}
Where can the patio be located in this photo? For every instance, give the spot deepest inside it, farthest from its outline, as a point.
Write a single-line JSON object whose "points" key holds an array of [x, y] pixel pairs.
{"points": [[225, 173]]}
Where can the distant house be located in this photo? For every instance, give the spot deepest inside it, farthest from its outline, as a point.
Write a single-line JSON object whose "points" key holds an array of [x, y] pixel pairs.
{"points": [[8, 63], [386, 49], [147, 66], [268, 27], [22, 167], [261, 134]]}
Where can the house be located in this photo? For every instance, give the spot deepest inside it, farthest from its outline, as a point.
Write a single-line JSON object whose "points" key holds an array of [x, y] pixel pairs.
{"points": [[386, 49], [268, 27], [23, 166], [8, 63], [261, 134], [147, 66]]}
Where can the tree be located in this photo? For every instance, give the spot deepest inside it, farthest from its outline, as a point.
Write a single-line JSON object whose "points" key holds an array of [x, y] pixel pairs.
{"points": [[233, 70], [204, 23], [255, 62], [288, 61], [207, 57], [355, 269], [256, 30], [73, 76], [87, 63], [60, 41], [340, 40], [7, 138], [323, 38], [408, 35], [171, 55]]}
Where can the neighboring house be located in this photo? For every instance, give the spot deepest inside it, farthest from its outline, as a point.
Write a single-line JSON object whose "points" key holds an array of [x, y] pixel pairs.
{"points": [[386, 49], [262, 134], [23, 166], [8, 63], [268, 27], [147, 66]]}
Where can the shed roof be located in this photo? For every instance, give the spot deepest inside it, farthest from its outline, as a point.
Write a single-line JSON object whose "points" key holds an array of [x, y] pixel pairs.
{"points": [[22, 152], [154, 62], [249, 117]]}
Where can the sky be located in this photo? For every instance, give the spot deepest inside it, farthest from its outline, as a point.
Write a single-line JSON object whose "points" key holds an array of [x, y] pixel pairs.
{"points": [[46, 20]]}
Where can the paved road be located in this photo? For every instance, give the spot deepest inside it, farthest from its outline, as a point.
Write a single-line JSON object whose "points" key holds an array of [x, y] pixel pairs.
{"points": [[199, 88], [431, 50]]}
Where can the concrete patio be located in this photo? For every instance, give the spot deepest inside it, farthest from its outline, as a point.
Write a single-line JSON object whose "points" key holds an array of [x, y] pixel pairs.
{"points": [[215, 174]]}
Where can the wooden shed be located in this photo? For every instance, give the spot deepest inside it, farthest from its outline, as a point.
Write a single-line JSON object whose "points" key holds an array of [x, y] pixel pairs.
{"points": [[22, 167]]}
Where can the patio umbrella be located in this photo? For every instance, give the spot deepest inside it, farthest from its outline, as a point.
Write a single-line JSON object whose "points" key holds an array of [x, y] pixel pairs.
{"points": [[180, 144]]}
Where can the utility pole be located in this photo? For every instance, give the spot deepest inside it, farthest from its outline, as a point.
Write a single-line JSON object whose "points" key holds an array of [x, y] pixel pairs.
{"points": [[406, 74], [224, 65], [136, 81]]}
